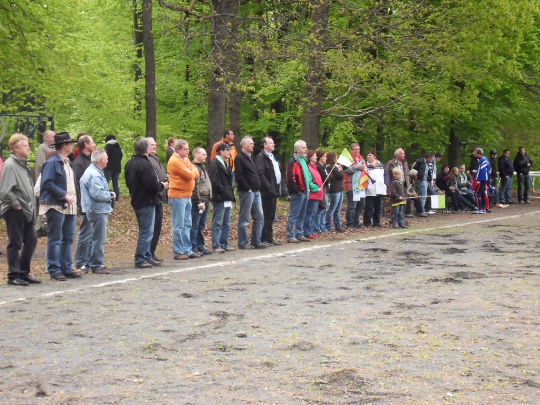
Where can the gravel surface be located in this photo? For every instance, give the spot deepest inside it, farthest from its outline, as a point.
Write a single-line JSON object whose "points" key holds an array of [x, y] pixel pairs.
{"points": [[447, 312]]}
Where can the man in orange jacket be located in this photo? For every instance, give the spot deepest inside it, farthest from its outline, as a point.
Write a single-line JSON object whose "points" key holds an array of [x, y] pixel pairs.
{"points": [[182, 175]]}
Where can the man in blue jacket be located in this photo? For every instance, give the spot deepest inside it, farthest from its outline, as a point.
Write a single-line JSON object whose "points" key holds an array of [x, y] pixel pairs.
{"points": [[58, 201], [96, 204]]}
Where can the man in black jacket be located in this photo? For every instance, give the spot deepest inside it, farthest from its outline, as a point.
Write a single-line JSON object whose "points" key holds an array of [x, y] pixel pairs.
{"points": [[222, 198], [270, 177], [144, 187], [506, 171], [522, 165], [80, 164], [249, 185]]}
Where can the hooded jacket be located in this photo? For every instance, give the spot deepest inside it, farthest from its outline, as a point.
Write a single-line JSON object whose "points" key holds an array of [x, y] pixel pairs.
{"points": [[17, 188], [114, 154]]}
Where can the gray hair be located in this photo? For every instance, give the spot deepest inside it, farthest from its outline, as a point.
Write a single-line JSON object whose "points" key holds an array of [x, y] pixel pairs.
{"points": [[245, 140], [140, 146], [198, 150], [179, 144], [297, 144], [398, 151], [97, 155]]}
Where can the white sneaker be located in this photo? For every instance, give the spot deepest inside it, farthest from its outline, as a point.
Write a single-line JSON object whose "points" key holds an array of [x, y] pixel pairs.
{"points": [[431, 212]]}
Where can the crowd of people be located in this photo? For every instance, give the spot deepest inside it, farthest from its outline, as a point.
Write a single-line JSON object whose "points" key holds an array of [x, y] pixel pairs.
{"points": [[73, 184]]}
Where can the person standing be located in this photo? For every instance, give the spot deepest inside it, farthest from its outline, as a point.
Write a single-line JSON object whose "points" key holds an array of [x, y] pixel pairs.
{"points": [[319, 223], [423, 178], [222, 199], [43, 149], [96, 202], [482, 180], [354, 207], [299, 184], [144, 187], [114, 165], [81, 162], [200, 203], [314, 198], [182, 176], [398, 195], [162, 197], [270, 178], [17, 206], [376, 189], [522, 166], [335, 192], [228, 139], [169, 146], [58, 201], [506, 171], [248, 185]]}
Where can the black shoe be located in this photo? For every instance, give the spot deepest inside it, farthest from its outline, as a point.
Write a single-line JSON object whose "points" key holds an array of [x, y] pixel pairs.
{"points": [[247, 247], [206, 252], [261, 246], [403, 226], [340, 230], [72, 275], [527, 202], [58, 276], [18, 281], [31, 280], [154, 262], [276, 243], [101, 270], [143, 265]]}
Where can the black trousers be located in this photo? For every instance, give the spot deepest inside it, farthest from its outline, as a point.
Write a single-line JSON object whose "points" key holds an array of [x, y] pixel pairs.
{"points": [[22, 241], [373, 209], [269, 204], [158, 223]]}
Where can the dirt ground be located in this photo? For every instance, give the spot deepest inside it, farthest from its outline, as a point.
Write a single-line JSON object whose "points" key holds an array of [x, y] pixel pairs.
{"points": [[446, 311]]}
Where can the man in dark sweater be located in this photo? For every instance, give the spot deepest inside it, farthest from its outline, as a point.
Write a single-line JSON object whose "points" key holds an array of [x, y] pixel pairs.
{"points": [[506, 171], [144, 187], [522, 166], [200, 203], [249, 184]]}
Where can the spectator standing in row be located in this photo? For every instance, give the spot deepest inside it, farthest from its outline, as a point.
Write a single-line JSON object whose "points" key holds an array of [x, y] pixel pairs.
{"points": [[162, 197], [17, 206], [398, 196], [200, 203], [248, 185], [58, 201], [506, 172], [335, 192], [169, 147], [114, 165], [522, 166], [43, 151], [228, 139], [270, 178], [424, 176], [482, 180], [96, 200], [493, 175], [354, 208], [144, 187], [376, 189], [222, 199], [319, 223], [314, 198], [82, 161], [182, 176]]}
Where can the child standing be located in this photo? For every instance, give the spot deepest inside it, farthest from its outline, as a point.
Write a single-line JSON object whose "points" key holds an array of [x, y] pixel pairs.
{"points": [[398, 199]]}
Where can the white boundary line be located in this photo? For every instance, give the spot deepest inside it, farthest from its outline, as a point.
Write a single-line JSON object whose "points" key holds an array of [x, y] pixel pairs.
{"points": [[245, 259]]}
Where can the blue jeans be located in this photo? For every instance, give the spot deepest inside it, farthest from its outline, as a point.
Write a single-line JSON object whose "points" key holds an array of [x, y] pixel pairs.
{"points": [[99, 238], [354, 209], [397, 215], [84, 242], [60, 235], [145, 219], [311, 210], [334, 209], [319, 220], [297, 212], [504, 193], [250, 204], [181, 225], [422, 193], [198, 223], [221, 225], [114, 176], [524, 182]]}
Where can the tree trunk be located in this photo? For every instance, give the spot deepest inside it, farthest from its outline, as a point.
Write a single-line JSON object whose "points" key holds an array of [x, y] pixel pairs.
{"points": [[313, 92], [138, 43], [453, 149], [150, 69], [233, 59], [220, 36]]}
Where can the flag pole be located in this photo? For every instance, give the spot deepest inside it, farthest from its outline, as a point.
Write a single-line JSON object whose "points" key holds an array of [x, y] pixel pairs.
{"points": [[333, 167]]}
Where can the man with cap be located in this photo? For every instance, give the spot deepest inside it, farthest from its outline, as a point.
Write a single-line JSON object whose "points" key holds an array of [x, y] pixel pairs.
{"points": [[58, 201], [222, 198]]}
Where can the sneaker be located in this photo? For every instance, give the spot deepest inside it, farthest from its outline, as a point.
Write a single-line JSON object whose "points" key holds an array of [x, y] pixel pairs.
{"points": [[230, 249], [312, 236], [423, 215], [431, 212], [488, 211], [144, 265], [409, 216], [219, 250], [527, 202]]}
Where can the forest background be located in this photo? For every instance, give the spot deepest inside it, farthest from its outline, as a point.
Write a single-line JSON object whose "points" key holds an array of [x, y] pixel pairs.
{"points": [[423, 75]]}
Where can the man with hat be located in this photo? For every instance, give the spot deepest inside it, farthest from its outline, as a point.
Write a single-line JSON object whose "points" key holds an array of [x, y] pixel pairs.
{"points": [[58, 201], [222, 198]]}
